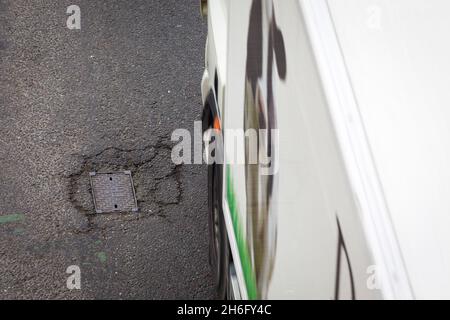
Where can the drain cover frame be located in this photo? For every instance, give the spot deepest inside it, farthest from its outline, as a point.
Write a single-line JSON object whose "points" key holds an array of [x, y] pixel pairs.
{"points": [[113, 192]]}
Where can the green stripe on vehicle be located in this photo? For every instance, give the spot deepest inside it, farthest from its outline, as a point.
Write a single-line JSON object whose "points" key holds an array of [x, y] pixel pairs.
{"points": [[244, 254]]}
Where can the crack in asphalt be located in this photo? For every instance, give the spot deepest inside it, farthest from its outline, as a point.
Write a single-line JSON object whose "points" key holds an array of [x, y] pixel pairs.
{"points": [[153, 192]]}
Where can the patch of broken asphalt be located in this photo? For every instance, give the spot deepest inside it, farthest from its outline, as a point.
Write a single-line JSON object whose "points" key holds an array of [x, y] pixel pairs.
{"points": [[153, 192]]}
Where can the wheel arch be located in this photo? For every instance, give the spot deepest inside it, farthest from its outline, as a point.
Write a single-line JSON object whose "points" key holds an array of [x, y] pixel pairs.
{"points": [[210, 110]]}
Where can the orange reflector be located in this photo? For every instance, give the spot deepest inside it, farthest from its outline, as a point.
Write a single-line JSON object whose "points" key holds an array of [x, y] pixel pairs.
{"points": [[216, 124]]}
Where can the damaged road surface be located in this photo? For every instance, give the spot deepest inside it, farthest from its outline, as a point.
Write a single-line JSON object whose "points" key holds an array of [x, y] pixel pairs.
{"points": [[105, 98]]}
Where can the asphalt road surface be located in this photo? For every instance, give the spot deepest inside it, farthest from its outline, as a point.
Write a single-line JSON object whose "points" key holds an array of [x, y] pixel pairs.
{"points": [[106, 97]]}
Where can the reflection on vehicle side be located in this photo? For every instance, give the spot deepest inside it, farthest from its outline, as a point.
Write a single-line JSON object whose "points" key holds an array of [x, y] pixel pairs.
{"points": [[260, 115]]}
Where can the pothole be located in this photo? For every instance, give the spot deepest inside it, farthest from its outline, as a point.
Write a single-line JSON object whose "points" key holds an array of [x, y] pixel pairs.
{"points": [[156, 179]]}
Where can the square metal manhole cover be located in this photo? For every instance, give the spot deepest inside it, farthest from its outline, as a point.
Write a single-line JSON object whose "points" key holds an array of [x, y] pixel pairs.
{"points": [[113, 192]]}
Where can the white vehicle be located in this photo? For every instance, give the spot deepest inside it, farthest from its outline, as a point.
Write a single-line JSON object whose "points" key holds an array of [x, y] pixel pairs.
{"points": [[357, 93]]}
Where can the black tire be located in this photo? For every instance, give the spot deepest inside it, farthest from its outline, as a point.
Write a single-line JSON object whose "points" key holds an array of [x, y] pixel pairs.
{"points": [[219, 246]]}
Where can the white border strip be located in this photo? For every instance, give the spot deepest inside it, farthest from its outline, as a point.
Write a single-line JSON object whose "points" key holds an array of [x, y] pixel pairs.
{"points": [[225, 207], [357, 156]]}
